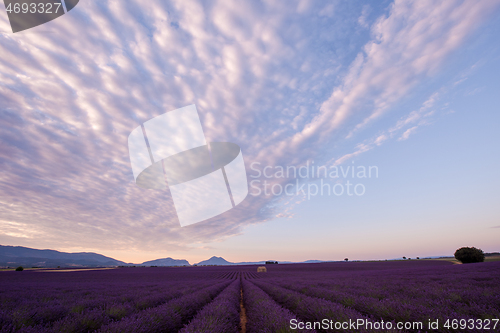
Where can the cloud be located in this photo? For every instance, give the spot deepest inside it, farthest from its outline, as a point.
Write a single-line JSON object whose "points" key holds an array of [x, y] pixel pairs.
{"points": [[409, 44], [72, 92], [268, 76], [407, 133], [419, 117], [18, 230], [362, 20]]}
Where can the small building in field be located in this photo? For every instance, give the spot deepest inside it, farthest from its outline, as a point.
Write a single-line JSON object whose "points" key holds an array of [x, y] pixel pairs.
{"points": [[262, 269]]}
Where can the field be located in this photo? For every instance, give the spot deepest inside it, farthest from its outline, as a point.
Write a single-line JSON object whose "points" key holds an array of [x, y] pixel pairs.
{"points": [[438, 295]]}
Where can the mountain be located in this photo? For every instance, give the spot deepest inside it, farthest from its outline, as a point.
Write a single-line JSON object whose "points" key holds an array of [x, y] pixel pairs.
{"points": [[23, 256], [221, 261], [215, 261], [166, 262], [13, 256]]}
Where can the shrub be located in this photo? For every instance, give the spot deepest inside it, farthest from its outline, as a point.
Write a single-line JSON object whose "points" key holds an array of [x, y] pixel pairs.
{"points": [[20, 268], [468, 255]]}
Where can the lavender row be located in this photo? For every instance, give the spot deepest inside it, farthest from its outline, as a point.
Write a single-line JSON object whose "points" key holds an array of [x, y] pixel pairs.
{"points": [[91, 313], [456, 284], [35, 296], [388, 309], [168, 317], [84, 301], [264, 315], [395, 308], [313, 309], [402, 308], [221, 315], [229, 275], [118, 311], [456, 287]]}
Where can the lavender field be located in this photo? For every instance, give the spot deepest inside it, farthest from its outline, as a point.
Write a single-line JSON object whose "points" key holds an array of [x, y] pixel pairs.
{"points": [[286, 298]]}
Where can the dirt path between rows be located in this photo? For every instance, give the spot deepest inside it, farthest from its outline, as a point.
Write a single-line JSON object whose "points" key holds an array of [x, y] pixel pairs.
{"points": [[243, 314]]}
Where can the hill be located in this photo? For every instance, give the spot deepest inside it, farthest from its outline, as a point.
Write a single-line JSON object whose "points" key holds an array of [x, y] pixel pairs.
{"points": [[215, 261], [166, 262], [219, 261], [11, 256]]}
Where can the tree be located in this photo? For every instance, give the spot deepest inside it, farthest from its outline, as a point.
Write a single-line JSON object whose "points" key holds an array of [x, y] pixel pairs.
{"points": [[404, 258], [20, 268], [346, 259], [467, 255]]}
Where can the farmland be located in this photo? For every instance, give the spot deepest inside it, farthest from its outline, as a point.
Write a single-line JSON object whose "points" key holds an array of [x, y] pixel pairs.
{"points": [[286, 298]]}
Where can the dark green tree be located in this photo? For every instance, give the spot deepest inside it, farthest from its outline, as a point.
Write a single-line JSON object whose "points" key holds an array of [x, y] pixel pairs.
{"points": [[467, 255], [19, 269]]}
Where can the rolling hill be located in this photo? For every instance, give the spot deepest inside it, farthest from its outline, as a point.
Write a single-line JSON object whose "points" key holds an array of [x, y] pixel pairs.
{"points": [[166, 262], [12, 256]]}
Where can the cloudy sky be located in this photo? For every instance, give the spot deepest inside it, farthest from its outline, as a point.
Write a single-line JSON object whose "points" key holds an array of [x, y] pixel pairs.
{"points": [[407, 88]]}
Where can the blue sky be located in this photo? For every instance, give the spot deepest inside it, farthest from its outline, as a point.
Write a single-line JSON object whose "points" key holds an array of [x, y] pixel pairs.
{"points": [[408, 87]]}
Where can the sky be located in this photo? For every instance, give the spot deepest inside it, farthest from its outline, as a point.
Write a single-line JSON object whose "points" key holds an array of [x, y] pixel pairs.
{"points": [[407, 90]]}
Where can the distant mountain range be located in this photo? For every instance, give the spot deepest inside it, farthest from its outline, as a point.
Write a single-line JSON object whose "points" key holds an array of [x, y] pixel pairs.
{"points": [[13, 256], [166, 262], [215, 261], [221, 261]]}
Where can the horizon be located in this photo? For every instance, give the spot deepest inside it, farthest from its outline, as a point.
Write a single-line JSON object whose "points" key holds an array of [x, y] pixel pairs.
{"points": [[259, 261], [366, 129]]}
